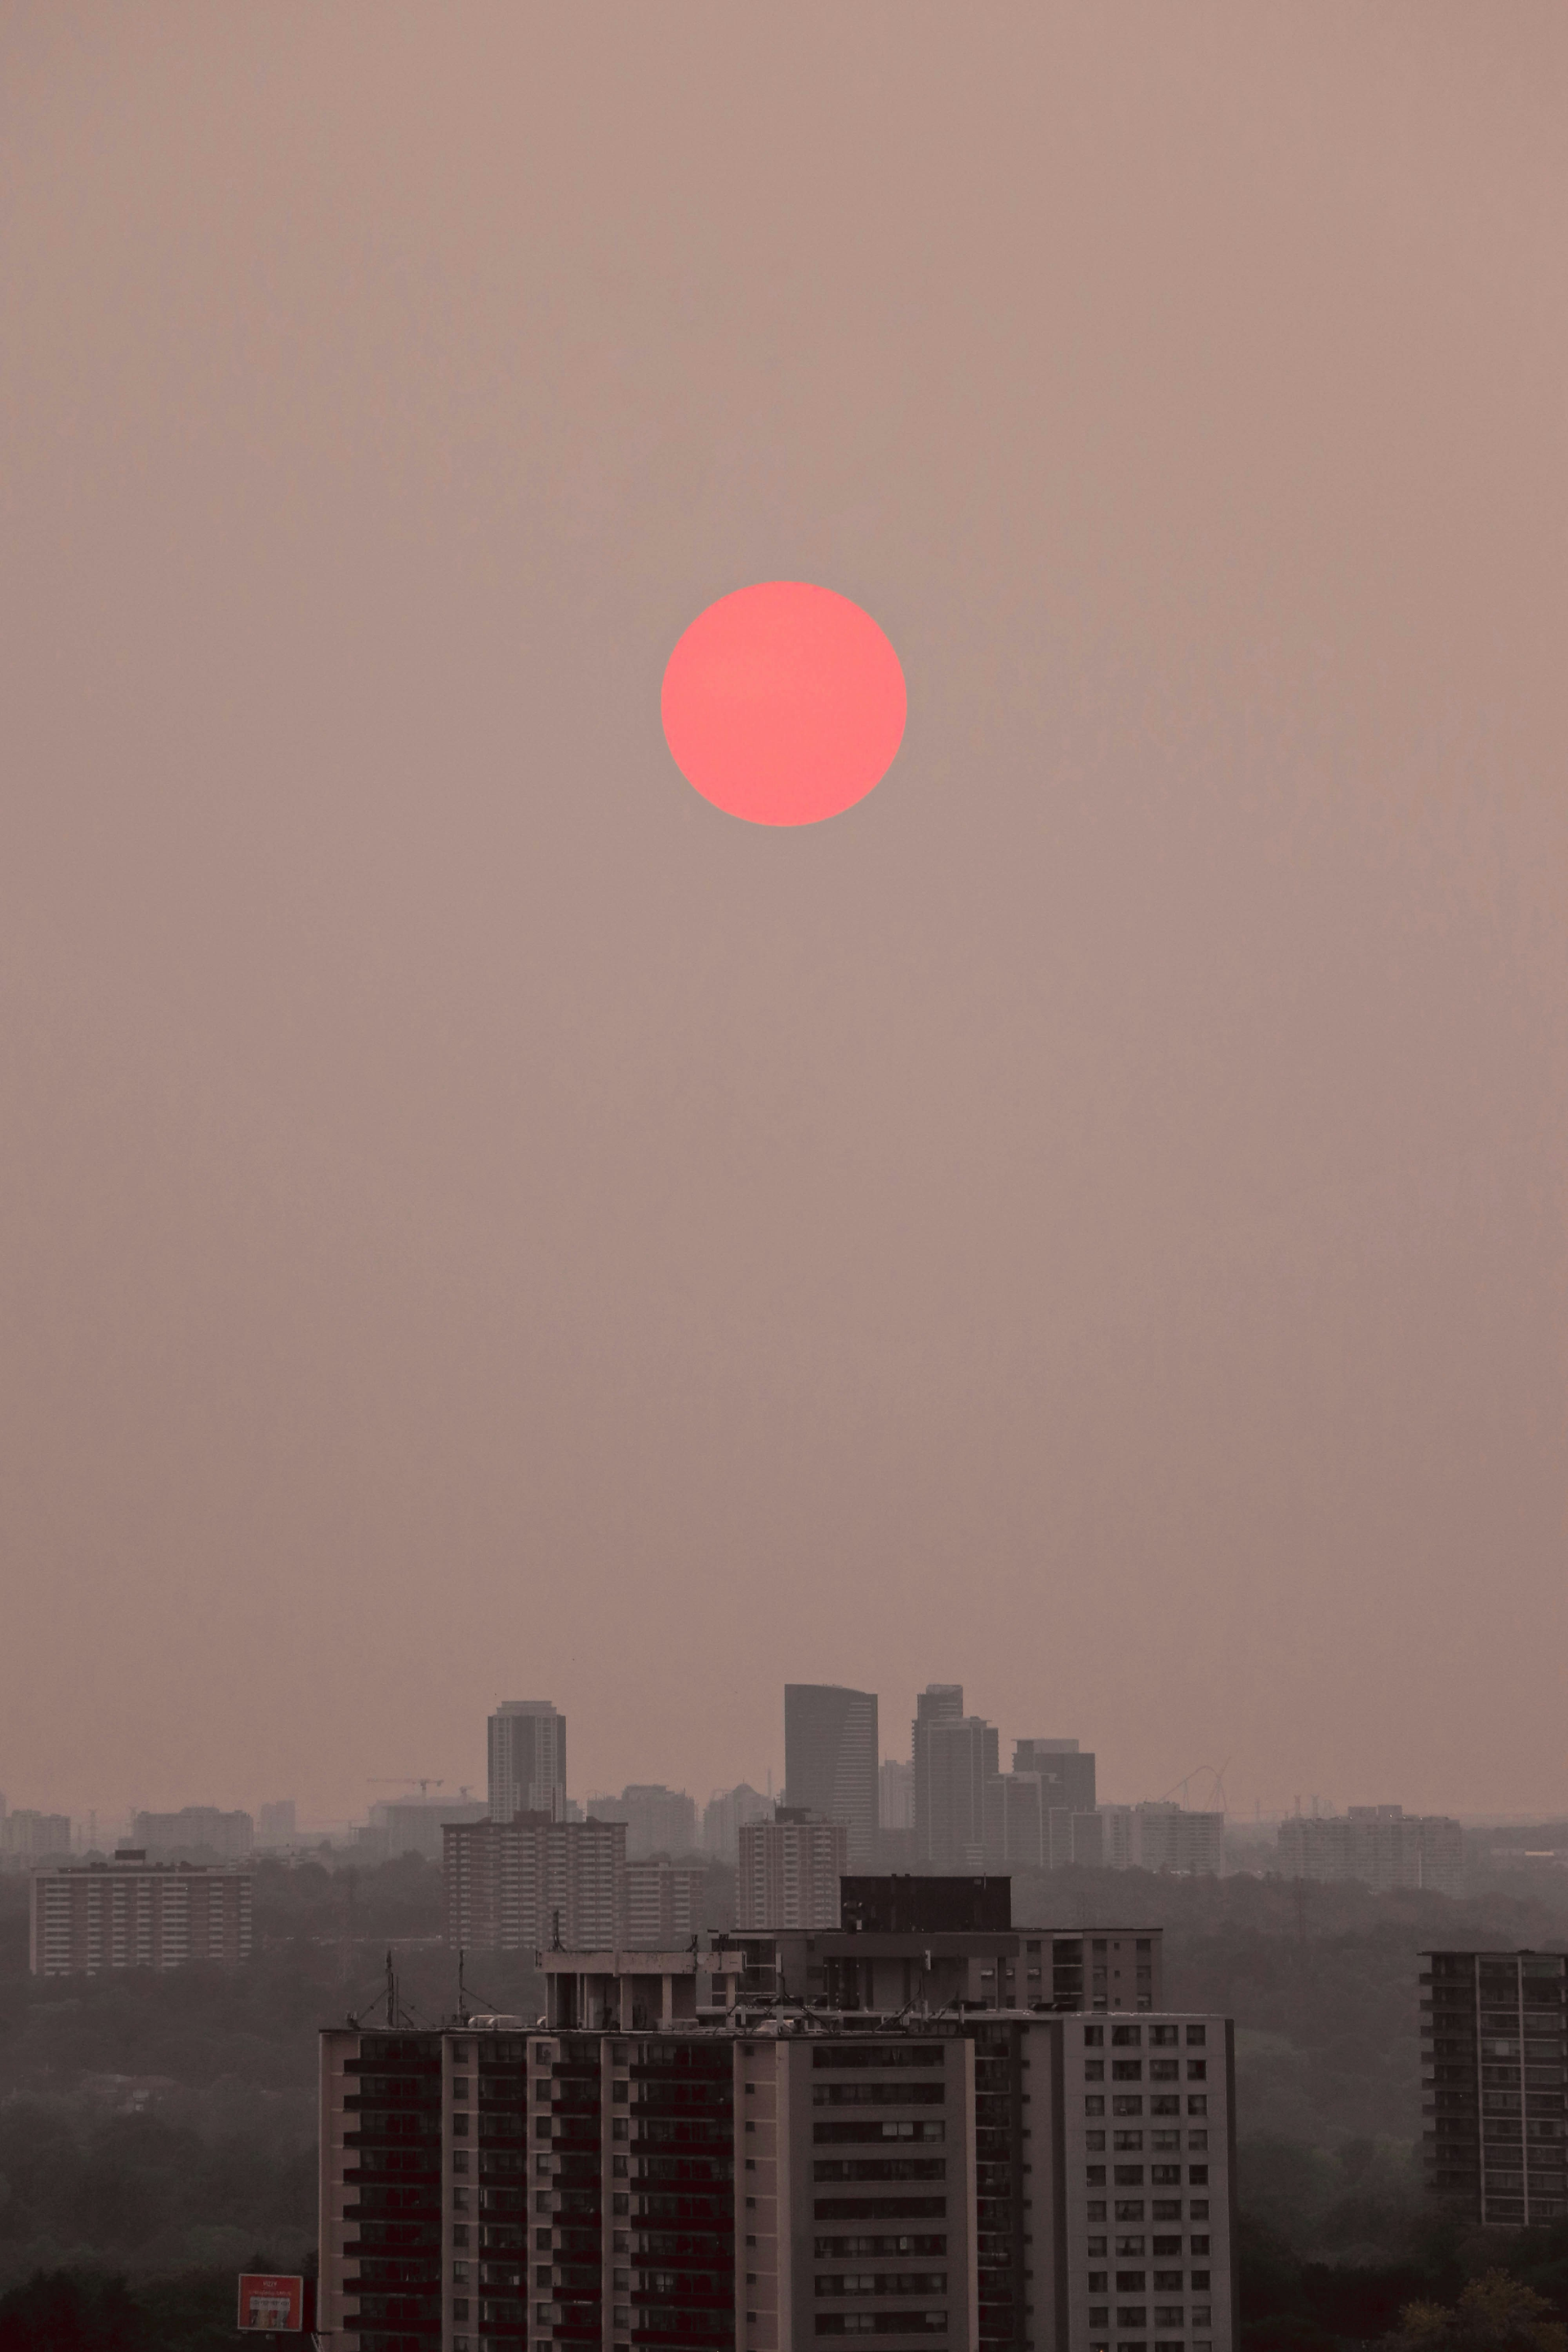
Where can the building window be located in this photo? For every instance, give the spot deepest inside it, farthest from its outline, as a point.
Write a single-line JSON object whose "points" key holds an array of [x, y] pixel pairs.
{"points": [[1196, 2036], [1197, 2070]]}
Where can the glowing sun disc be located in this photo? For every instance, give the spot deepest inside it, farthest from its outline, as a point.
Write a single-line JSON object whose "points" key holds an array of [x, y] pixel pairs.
{"points": [[783, 703]]}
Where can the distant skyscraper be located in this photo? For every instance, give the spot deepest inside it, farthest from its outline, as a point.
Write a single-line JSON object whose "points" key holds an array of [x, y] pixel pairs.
{"points": [[275, 1824], [527, 1760], [726, 1813], [1065, 1766], [954, 1757], [1028, 1828], [895, 1784], [830, 1759], [658, 1819]]}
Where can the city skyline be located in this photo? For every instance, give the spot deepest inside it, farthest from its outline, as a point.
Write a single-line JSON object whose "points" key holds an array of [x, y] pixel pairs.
{"points": [[1100, 1195]]}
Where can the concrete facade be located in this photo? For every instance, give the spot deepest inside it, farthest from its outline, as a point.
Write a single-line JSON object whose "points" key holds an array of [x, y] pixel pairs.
{"points": [[1023, 2182], [87, 1917]]}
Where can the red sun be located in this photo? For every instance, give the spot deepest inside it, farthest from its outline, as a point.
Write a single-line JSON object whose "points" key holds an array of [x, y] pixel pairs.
{"points": [[783, 703]]}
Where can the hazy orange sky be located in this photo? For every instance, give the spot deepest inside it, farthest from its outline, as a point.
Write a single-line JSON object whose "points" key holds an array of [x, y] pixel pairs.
{"points": [[1087, 1223]]}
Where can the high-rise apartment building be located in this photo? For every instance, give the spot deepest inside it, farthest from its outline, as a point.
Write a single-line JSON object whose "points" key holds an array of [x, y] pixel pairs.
{"points": [[955, 1755], [789, 1871], [830, 1760], [518, 1884], [895, 1794], [658, 1819], [527, 1756], [131, 1913], [1017, 2181], [401, 1825], [1494, 2034], [726, 1813], [275, 1823], [1380, 1846], [196, 1831], [664, 1903], [1065, 1770]]}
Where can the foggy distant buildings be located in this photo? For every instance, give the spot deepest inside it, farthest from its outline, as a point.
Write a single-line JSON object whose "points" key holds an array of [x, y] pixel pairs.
{"points": [[1065, 1771], [1380, 1846], [1163, 1836], [954, 1757], [664, 1903], [526, 1748], [531, 1882], [27, 1836], [895, 1795], [134, 1913], [1025, 1830], [830, 1760], [400, 1825], [657, 1820], [726, 1813], [1494, 2034], [275, 1824], [789, 1871], [198, 1831], [532, 1879]]}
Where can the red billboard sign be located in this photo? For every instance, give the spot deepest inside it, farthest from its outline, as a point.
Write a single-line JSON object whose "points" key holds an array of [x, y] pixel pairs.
{"points": [[274, 2306]]}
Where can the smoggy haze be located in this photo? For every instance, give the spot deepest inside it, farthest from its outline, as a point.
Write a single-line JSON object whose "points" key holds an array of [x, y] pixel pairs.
{"points": [[480, 1222]]}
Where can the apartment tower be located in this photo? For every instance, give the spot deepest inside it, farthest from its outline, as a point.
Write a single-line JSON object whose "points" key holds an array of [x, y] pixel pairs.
{"points": [[527, 1756], [1020, 2182], [831, 1759], [1494, 2034]]}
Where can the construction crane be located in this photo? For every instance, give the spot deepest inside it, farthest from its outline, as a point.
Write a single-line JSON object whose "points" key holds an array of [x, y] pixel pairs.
{"points": [[406, 1781]]}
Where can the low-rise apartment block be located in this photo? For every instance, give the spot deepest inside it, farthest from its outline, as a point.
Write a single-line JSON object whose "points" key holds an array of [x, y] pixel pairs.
{"points": [[135, 1914]]}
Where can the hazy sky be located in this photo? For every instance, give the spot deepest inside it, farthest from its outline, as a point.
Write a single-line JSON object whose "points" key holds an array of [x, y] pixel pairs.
{"points": [[478, 1222]]}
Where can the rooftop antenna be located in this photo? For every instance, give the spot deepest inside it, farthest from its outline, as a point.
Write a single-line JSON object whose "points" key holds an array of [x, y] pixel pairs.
{"points": [[391, 1993]]}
